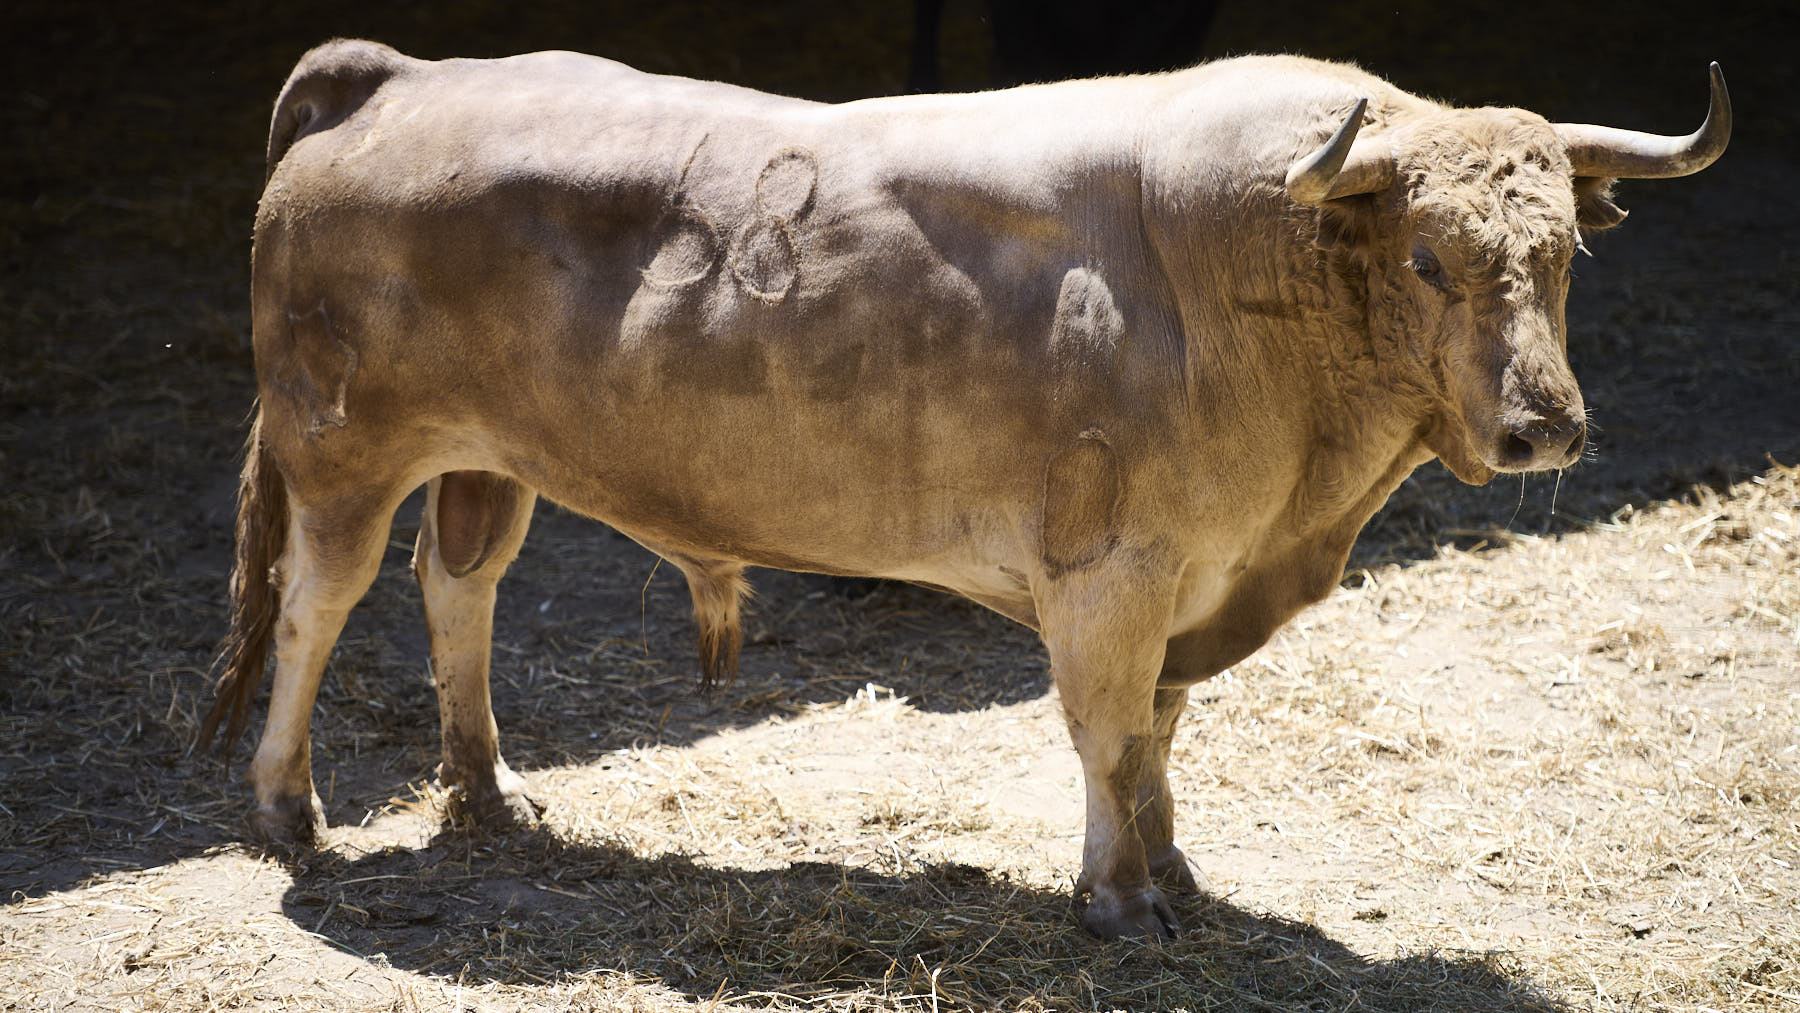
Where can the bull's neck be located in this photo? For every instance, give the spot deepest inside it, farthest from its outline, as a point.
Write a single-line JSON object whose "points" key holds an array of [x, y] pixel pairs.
{"points": [[1280, 360]]}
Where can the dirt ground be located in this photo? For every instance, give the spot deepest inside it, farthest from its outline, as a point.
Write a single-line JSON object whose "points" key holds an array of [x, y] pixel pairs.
{"points": [[1541, 752]]}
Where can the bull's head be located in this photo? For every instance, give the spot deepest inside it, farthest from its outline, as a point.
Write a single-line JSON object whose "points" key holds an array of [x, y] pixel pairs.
{"points": [[1469, 224]]}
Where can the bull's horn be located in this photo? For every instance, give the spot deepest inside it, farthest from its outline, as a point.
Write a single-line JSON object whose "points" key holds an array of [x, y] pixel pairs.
{"points": [[1342, 167], [1628, 154]]}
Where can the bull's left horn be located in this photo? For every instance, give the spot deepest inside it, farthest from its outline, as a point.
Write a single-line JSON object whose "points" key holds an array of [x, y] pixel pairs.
{"points": [[1341, 167], [1628, 154]]}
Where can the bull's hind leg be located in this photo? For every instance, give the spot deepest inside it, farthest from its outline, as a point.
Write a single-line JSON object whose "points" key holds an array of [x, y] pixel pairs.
{"points": [[473, 526], [331, 558]]}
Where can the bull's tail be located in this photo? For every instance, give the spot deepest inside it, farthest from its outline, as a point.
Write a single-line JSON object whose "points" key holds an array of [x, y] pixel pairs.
{"points": [[328, 84], [718, 591], [262, 530]]}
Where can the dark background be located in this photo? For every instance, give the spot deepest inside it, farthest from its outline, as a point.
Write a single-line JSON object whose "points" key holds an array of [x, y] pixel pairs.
{"points": [[133, 159]]}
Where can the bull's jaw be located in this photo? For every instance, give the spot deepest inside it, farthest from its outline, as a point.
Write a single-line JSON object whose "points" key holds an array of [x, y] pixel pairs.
{"points": [[1537, 423], [1447, 438], [1508, 451]]}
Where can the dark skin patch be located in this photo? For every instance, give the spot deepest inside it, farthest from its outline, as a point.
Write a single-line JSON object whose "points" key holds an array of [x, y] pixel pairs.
{"points": [[740, 367], [1081, 501], [1275, 308], [473, 509], [314, 370], [1133, 751], [1127, 863], [480, 797], [835, 375]]}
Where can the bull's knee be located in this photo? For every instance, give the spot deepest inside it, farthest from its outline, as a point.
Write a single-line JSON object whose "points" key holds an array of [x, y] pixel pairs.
{"points": [[475, 511]]}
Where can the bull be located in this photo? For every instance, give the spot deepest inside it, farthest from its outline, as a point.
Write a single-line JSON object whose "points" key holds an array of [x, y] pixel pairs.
{"points": [[1130, 361]]}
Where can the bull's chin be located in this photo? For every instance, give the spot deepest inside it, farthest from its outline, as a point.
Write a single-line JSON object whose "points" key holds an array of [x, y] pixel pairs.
{"points": [[1451, 446]]}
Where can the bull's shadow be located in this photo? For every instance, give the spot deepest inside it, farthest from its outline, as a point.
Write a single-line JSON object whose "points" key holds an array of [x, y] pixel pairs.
{"points": [[530, 907], [593, 652]]}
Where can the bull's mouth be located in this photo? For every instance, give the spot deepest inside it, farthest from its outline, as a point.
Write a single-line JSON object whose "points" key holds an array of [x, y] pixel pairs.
{"points": [[1475, 456], [1448, 438]]}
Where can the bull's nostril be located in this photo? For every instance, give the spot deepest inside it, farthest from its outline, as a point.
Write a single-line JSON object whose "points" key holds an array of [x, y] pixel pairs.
{"points": [[1517, 449], [1573, 450]]}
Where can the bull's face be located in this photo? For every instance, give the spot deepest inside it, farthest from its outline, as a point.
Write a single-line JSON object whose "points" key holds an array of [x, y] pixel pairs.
{"points": [[1472, 257], [1466, 222]]}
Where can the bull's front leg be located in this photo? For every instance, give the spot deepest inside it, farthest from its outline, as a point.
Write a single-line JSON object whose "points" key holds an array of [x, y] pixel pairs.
{"points": [[1105, 629], [1156, 804], [1187, 659]]}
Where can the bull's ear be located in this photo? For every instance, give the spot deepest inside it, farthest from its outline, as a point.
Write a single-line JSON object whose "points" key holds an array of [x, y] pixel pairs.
{"points": [[1594, 209]]}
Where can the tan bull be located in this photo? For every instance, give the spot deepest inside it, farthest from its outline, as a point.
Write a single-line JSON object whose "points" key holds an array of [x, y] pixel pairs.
{"points": [[1129, 360]]}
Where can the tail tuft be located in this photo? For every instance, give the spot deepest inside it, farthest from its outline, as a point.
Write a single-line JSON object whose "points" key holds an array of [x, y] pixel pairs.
{"points": [[262, 528]]}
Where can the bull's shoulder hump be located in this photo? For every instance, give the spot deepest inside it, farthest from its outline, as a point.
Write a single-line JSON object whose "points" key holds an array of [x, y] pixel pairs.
{"points": [[992, 140], [1283, 73], [1267, 91]]}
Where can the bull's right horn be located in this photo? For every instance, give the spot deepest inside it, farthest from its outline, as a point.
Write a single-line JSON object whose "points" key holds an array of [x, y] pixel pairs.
{"points": [[1342, 166], [1628, 154]]}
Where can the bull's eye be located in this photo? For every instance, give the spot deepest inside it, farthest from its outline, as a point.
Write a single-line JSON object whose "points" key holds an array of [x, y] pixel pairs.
{"points": [[1425, 264]]}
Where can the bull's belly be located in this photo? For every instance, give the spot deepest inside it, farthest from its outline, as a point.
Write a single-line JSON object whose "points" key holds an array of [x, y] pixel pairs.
{"points": [[792, 499], [978, 565]]}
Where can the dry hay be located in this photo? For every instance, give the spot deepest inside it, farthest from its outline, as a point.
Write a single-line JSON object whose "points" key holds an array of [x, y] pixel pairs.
{"points": [[1589, 746]]}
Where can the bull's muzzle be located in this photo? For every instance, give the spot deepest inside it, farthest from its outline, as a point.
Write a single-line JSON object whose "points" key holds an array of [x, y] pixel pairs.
{"points": [[1545, 444]]}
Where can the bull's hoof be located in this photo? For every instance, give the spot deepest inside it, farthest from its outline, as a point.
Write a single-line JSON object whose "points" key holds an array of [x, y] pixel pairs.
{"points": [[498, 810], [500, 804], [289, 822], [1116, 916], [1171, 869]]}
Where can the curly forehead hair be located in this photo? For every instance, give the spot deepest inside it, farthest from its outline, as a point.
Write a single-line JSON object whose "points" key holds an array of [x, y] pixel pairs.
{"points": [[1496, 178]]}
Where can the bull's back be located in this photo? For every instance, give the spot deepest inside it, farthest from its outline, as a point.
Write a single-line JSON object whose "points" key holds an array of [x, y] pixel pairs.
{"points": [[709, 316]]}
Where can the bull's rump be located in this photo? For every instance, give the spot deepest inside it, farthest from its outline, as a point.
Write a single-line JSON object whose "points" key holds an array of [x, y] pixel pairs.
{"points": [[730, 324]]}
